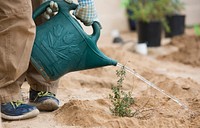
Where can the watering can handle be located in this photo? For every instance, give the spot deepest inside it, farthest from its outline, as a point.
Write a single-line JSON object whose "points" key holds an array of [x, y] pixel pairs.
{"points": [[42, 8], [70, 6]]}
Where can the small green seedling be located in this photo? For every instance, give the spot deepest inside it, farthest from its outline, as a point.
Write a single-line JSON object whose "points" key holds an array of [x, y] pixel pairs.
{"points": [[121, 100]]}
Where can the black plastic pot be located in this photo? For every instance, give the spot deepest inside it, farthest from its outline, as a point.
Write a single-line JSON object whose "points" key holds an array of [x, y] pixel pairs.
{"points": [[176, 24], [150, 33], [132, 25]]}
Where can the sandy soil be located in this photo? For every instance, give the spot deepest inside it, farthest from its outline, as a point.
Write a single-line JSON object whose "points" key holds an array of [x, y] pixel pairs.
{"points": [[173, 67], [189, 50]]}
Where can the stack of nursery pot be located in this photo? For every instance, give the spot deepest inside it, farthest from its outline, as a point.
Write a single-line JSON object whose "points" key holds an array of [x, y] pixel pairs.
{"points": [[175, 19], [150, 17]]}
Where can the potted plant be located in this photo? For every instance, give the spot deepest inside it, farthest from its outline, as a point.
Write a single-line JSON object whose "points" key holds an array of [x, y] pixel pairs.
{"points": [[175, 19], [150, 17], [129, 12]]}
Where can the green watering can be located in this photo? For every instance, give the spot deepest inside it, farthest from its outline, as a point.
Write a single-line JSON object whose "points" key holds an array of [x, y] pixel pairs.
{"points": [[61, 45]]}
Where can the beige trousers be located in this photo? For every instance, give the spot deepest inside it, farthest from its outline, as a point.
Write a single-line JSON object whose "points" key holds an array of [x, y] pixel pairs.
{"points": [[17, 32]]}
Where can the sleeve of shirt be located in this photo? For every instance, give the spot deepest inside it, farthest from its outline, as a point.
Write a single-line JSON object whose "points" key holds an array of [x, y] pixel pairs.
{"points": [[87, 2], [88, 14]]}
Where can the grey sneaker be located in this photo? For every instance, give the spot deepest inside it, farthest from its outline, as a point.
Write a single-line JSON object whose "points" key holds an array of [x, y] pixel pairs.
{"points": [[44, 101]]}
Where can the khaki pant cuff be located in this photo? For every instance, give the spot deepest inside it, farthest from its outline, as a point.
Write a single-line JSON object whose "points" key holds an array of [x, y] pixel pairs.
{"points": [[10, 93]]}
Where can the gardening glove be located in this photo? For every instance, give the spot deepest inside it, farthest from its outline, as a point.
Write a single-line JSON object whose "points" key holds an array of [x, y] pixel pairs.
{"points": [[51, 10], [85, 11]]}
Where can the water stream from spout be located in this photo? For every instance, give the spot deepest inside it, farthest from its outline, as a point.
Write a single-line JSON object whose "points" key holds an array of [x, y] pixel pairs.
{"points": [[152, 85]]}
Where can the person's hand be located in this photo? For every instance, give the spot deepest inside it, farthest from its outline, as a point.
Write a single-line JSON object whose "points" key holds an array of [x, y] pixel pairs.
{"points": [[85, 11], [51, 10]]}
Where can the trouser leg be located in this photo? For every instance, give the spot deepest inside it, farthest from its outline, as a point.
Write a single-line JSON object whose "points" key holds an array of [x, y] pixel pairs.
{"points": [[17, 32], [12, 92], [38, 83]]}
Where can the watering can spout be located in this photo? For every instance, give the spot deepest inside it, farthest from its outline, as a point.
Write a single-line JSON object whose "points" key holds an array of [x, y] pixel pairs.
{"points": [[96, 58], [61, 45]]}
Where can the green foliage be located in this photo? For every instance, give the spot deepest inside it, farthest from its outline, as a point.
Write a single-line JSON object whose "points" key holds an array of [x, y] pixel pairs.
{"points": [[152, 10], [197, 30], [125, 3], [149, 10], [121, 100], [176, 6]]}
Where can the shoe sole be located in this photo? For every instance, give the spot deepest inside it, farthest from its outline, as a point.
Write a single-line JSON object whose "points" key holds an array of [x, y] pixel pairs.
{"points": [[31, 114], [47, 105]]}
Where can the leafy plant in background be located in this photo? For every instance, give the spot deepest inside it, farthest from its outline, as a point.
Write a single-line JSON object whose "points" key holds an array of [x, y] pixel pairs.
{"points": [[125, 3], [175, 18], [197, 30], [149, 10], [121, 100], [176, 6]]}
